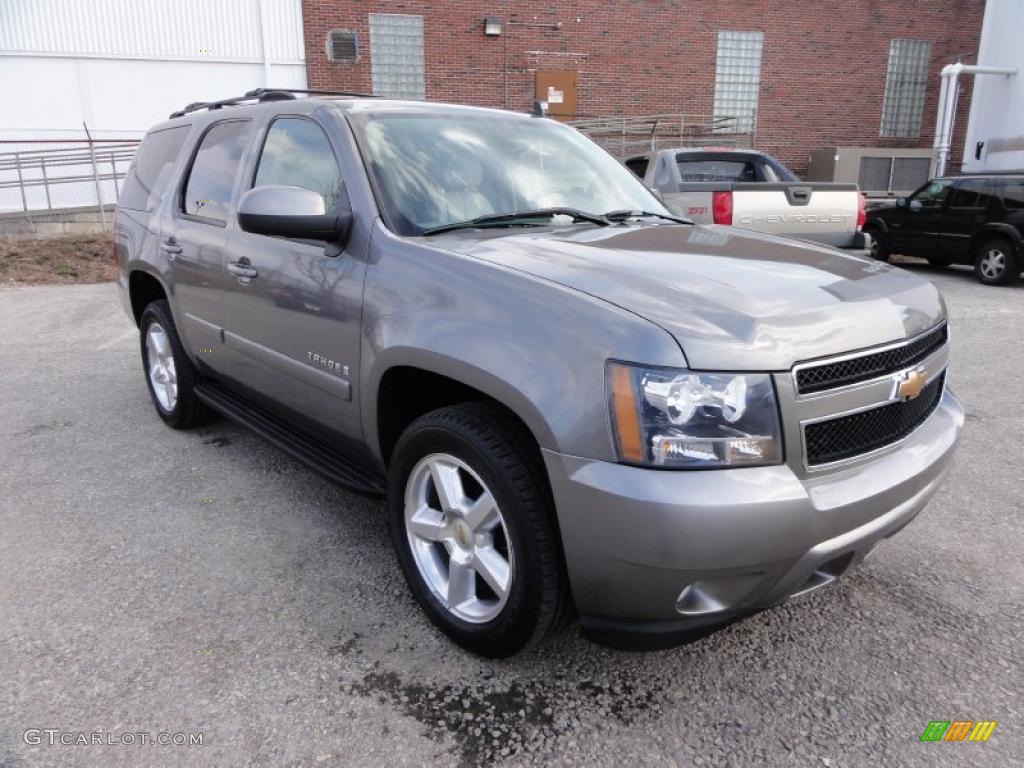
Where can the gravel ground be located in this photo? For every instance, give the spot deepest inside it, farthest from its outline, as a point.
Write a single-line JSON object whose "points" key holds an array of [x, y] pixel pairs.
{"points": [[155, 581]]}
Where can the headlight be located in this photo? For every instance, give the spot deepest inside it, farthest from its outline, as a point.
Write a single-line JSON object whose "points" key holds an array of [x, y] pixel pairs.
{"points": [[690, 419]]}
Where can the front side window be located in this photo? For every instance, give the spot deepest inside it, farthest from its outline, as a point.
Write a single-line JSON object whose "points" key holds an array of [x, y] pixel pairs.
{"points": [[431, 170], [212, 176], [297, 153], [933, 194]]}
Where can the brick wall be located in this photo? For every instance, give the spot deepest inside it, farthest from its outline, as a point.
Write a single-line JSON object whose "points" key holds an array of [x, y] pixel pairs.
{"points": [[822, 74]]}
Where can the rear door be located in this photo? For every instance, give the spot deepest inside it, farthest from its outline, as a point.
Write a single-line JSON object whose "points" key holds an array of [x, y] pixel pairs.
{"points": [[195, 233], [969, 205], [292, 325]]}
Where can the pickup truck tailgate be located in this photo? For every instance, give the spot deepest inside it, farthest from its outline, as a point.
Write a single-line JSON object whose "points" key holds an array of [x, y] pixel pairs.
{"points": [[825, 213]]}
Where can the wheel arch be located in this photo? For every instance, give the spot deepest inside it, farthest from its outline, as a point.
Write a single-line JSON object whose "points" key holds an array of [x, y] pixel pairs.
{"points": [[992, 231], [437, 381], [144, 287]]}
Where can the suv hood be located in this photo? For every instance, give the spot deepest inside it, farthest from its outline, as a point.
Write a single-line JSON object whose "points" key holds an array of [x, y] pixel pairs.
{"points": [[733, 299]]}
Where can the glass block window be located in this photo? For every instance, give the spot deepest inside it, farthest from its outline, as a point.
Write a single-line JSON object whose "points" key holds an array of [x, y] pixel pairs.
{"points": [[396, 55], [905, 84], [738, 78]]}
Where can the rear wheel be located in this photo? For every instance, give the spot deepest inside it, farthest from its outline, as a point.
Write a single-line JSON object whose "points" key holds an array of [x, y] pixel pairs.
{"points": [[995, 262], [879, 245], [170, 375], [473, 525]]}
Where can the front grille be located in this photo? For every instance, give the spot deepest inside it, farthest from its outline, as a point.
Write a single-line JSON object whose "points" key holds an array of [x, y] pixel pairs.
{"points": [[848, 436], [839, 373]]}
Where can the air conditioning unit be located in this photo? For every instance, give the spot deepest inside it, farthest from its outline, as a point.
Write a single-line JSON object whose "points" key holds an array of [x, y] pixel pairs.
{"points": [[878, 171]]}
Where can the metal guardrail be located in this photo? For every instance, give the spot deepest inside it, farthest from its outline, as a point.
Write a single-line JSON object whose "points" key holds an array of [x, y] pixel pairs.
{"points": [[70, 182], [626, 137]]}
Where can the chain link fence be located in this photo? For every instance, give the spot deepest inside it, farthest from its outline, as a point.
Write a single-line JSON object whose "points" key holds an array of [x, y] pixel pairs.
{"points": [[61, 187]]}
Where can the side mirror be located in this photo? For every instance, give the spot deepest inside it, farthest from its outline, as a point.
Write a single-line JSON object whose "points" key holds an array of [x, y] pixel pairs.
{"points": [[914, 205], [291, 212], [901, 202]]}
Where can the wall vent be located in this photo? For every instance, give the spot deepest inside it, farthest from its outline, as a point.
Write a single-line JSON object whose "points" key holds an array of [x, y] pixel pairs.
{"points": [[343, 46]]}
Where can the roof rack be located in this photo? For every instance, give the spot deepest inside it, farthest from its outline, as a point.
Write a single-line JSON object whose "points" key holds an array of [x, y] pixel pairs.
{"points": [[263, 94]]}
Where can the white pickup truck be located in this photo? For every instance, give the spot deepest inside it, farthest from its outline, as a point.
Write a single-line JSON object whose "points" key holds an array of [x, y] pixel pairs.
{"points": [[749, 189]]}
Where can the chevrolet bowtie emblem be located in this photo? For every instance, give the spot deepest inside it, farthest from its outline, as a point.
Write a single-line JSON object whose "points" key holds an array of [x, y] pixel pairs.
{"points": [[909, 384]]}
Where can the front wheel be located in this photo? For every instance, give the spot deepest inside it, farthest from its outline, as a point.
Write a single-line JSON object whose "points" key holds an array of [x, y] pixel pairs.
{"points": [[472, 522], [995, 262]]}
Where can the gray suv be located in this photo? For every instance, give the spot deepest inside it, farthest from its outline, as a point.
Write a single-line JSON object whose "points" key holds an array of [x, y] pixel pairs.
{"points": [[569, 397]]}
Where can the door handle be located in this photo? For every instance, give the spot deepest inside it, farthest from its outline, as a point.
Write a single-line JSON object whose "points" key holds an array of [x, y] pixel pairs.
{"points": [[170, 247], [242, 269]]}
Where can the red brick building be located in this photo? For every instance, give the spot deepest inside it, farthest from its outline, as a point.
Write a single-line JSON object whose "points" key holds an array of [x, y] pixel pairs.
{"points": [[807, 75]]}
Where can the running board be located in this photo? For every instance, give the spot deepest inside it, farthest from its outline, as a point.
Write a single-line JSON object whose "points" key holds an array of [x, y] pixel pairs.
{"points": [[317, 455]]}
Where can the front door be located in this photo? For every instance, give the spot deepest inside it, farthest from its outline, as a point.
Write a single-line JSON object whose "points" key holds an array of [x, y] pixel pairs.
{"points": [[292, 320], [558, 88], [914, 228], [194, 236]]}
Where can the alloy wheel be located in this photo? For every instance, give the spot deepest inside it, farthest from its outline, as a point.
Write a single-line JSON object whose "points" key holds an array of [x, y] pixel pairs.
{"points": [[163, 377], [458, 538], [992, 264]]}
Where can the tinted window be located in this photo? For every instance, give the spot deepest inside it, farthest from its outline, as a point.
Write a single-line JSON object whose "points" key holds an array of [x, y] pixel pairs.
{"points": [[212, 177], [1013, 195], [151, 168], [297, 153], [970, 193], [638, 165]]}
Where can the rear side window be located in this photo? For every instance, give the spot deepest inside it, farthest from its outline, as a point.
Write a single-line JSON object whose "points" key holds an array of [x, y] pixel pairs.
{"points": [[1013, 195], [638, 165], [151, 169], [297, 153], [213, 172], [971, 193]]}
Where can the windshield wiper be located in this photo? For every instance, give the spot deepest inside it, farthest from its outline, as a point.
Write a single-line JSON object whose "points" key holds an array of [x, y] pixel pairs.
{"points": [[516, 217], [620, 216]]}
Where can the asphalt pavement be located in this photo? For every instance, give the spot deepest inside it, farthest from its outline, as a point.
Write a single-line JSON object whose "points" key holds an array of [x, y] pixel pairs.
{"points": [[203, 583]]}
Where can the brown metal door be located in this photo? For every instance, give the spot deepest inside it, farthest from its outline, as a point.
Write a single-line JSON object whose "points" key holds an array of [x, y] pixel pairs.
{"points": [[558, 88]]}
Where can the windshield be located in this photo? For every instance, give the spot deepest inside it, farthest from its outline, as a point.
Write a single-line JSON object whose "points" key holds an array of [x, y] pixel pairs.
{"points": [[435, 170]]}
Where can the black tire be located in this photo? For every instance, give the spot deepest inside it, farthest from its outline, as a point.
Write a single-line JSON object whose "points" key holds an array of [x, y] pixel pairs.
{"points": [[499, 449], [188, 411], [879, 244], [1010, 264]]}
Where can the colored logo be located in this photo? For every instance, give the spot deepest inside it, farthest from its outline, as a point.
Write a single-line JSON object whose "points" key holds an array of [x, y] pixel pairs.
{"points": [[958, 730]]}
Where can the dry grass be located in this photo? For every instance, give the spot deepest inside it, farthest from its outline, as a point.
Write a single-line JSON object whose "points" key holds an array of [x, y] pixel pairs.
{"points": [[67, 259]]}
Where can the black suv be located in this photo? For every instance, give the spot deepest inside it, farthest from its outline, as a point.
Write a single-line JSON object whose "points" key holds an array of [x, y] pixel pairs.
{"points": [[974, 219]]}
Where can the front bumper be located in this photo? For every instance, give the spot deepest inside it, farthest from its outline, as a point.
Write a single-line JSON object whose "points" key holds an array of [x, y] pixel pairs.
{"points": [[656, 555]]}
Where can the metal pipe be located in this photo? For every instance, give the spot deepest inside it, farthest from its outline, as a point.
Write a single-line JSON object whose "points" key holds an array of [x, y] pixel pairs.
{"points": [[946, 114]]}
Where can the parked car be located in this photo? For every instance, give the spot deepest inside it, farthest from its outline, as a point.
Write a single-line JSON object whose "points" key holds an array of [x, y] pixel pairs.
{"points": [[977, 219], [749, 189], [566, 396]]}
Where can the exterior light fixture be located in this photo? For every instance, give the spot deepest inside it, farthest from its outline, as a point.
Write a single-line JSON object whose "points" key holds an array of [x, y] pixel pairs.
{"points": [[492, 26]]}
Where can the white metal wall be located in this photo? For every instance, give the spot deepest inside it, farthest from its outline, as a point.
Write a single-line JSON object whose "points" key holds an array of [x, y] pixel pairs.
{"points": [[997, 102], [122, 65]]}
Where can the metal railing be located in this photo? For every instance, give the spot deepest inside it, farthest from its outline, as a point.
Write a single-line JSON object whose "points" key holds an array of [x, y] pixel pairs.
{"points": [[49, 187], [626, 137]]}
